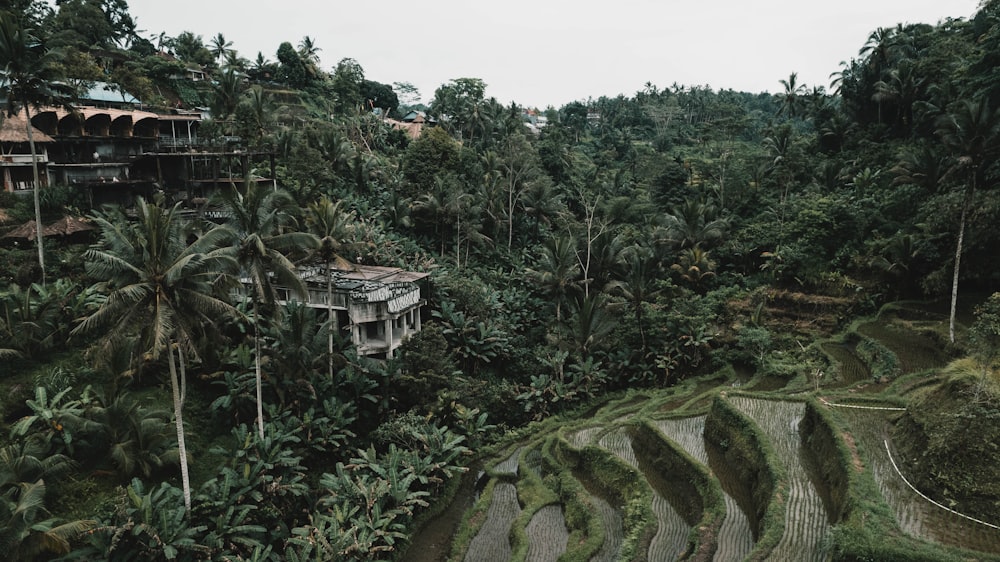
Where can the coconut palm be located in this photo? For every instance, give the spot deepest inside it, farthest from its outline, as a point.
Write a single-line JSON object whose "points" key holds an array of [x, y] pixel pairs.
{"points": [[29, 460], [636, 281], [165, 291], [331, 225], [695, 223], [970, 132], [27, 531], [138, 437], [588, 325], [694, 266], [793, 98], [557, 271], [30, 81], [226, 93], [220, 48], [922, 166], [257, 217], [308, 49]]}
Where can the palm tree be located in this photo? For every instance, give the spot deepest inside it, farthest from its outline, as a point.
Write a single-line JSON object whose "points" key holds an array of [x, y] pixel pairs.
{"points": [[636, 280], [26, 529], [162, 289], [922, 166], [694, 224], [30, 81], [308, 50], [588, 325], [879, 47], [971, 133], [791, 99], [331, 225], [226, 94], [138, 437], [695, 266], [220, 48], [256, 221], [557, 270], [261, 106]]}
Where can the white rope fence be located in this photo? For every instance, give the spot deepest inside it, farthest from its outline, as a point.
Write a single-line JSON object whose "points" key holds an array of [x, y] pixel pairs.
{"points": [[896, 468], [919, 493], [886, 408]]}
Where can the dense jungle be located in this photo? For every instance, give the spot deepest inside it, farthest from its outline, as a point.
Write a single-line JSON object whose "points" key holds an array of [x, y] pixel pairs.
{"points": [[685, 324]]}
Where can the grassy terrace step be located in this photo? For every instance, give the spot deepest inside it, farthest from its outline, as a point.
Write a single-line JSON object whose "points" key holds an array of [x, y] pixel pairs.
{"points": [[915, 515], [547, 535], [735, 538], [672, 531], [806, 521], [492, 542]]}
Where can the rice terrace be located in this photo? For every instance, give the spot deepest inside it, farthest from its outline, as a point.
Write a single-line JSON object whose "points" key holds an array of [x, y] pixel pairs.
{"points": [[726, 474]]}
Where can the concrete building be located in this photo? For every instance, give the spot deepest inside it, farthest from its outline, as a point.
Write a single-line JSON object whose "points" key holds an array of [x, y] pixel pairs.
{"points": [[376, 307]]}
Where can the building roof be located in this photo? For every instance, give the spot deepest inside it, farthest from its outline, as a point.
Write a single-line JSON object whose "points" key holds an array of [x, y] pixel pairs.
{"points": [[411, 129], [382, 274], [360, 274], [89, 112], [62, 227], [13, 130], [105, 93]]}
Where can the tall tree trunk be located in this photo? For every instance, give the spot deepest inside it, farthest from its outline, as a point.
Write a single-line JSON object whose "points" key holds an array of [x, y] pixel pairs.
{"points": [[458, 239], [39, 233], [958, 254], [510, 213], [638, 320], [257, 375], [329, 318], [179, 422]]}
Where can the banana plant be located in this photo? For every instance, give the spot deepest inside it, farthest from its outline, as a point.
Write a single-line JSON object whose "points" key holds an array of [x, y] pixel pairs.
{"points": [[52, 421]]}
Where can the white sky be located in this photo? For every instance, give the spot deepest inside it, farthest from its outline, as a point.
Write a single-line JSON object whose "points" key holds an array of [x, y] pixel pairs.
{"points": [[551, 52]]}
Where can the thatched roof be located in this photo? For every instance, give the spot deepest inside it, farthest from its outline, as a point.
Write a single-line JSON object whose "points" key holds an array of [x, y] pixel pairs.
{"points": [[68, 225], [62, 227], [13, 130], [412, 129], [25, 231]]}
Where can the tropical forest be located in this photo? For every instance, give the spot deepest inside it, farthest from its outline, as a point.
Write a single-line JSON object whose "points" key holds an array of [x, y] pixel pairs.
{"points": [[256, 309]]}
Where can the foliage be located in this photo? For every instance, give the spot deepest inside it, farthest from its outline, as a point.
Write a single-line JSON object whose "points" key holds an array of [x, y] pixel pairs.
{"points": [[367, 503], [633, 225]]}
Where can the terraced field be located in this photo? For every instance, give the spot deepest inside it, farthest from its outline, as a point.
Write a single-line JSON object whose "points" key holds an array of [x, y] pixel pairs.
{"points": [[672, 530], [735, 538], [551, 496], [806, 521], [917, 516]]}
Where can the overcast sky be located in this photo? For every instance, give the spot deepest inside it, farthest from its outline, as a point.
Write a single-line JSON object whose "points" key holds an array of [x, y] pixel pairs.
{"points": [[551, 52]]}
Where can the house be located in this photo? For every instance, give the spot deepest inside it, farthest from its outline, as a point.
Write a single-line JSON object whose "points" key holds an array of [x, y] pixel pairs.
{"points": [[115, 154], [376, 307], [412, 123]]}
